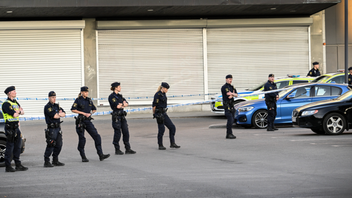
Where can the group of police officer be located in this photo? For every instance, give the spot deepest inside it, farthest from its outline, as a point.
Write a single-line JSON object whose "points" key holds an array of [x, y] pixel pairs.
{"points": [[84, 107]]}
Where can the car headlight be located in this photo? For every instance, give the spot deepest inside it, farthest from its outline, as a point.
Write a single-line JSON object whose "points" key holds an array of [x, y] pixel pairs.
{"points": [[245, 109], [308, 113]]}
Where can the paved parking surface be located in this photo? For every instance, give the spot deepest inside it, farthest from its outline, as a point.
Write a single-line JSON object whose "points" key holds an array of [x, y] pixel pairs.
{"points": [[291, 162]]}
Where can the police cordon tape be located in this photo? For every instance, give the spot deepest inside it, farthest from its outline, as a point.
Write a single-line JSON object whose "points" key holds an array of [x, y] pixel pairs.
{"points": [[128, 98], [169, 106]]}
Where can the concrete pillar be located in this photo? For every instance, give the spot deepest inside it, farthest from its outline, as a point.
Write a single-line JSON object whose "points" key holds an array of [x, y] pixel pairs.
{"points": [[317, 40], [90, 57]]}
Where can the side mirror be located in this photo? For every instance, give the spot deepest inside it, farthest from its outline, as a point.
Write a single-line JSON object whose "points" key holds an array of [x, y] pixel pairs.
{"points": [[290, 96]]}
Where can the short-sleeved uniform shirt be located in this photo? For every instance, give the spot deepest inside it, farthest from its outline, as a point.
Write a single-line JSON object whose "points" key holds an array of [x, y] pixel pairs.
{"points": [[7, 108], [225, 89], [160, 100], [269, 86], [313, 73], [83, 104], [115, 99], [50, 110]]}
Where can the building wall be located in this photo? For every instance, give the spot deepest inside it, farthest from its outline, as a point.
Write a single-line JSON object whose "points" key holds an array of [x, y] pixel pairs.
{"points": [[317, 40], [335, 42]]}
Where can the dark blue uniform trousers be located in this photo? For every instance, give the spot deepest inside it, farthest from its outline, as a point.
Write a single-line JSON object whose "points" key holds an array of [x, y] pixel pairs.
{"points": [[161, 129], [13, 149], [271, 116], [55, 150], [230, 119], [118, 127], [93, 133]]}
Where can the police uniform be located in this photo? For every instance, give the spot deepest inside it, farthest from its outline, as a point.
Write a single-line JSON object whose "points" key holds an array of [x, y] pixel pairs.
{"points": [[228, 105], [84, 123], [160, 104], [350, 78], [13, 133], [119, 122], [314, 72], [270, 101], [53, 133]]}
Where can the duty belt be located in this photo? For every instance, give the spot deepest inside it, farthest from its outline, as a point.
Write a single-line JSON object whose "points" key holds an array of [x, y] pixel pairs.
{"points": [[161, 110], [11, 125], [54, 125]]}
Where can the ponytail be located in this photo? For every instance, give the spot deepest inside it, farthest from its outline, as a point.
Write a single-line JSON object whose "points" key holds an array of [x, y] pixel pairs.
{"points": [[79, 94], [159, 88]]}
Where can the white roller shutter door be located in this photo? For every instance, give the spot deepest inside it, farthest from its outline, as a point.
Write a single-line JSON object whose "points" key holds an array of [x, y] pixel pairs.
{"points": [[142, 59], [39, 61], [250, 54]]}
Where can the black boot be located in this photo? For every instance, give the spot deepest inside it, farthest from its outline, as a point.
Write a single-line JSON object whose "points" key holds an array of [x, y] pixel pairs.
{"points": [[230, 136], [270, 129], [19, 167], [161, 147], [84, 158], [173, 145], [9, 169], [57, 163], [130, 151], [102, 156], [118, 152], [275, 128], [47, 164]]}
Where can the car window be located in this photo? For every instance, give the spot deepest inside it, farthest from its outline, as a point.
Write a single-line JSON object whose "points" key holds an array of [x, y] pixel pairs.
{"points": [[299, 81], [337, 79], [320, 79], [282, 84], [335, 91], [301, 92], [322, 91]]}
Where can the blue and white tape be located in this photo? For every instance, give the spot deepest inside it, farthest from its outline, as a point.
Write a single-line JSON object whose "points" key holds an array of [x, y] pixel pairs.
{"points": [[128, 98]]}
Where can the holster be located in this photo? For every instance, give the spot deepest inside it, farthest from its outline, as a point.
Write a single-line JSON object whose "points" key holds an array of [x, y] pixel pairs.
{"points": [[159, 115], [11, 131], [54, 125], [49, 138], [80, 122], [229, 105], [117, 116], [270, 103]]}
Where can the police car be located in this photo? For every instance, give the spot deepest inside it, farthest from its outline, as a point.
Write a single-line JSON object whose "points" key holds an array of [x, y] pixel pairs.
{"points": [[3, 140], [337, 77], [217, 107]]}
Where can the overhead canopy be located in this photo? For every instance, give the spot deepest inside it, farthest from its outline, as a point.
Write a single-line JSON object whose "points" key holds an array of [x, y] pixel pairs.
{"points": [[155, 9]]}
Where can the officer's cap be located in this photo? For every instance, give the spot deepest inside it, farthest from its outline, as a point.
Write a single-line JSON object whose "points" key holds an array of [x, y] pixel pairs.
{"points": [[84, 88], [271, 75], [115, 84], [52, 93], [165, 85], [11, 88], [350, 68], [229, 76], [315, 63]]}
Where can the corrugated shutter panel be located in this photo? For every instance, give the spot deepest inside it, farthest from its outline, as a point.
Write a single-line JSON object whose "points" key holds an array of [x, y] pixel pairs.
{"points": [[39, 61], [142, 59], [250, 54]]}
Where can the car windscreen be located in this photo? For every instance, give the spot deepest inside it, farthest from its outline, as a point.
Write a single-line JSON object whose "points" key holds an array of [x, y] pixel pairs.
{"points": [[257, 87], [345, 96], [320, 79], [284, 92]]}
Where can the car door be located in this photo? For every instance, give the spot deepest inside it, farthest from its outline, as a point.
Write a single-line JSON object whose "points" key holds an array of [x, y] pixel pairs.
{"points": [[297, 97], [324, 92]]}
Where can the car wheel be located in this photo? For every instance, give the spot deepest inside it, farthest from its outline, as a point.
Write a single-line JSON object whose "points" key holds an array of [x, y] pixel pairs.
{"points": [[2, 152], [318, 130], [334, 124], [260, 119]]}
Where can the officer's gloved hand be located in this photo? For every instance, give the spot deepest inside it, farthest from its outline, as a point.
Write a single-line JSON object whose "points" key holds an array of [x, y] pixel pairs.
{"points": [[154, 116]]}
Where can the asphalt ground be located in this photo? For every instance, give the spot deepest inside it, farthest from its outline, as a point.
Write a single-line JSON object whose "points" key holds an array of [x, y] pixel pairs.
{"points": [[290, 162]]}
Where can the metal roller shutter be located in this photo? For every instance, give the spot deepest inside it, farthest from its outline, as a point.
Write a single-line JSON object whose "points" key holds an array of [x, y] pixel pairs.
{"points": [[142, 59], [250, 54], [39, 61]]}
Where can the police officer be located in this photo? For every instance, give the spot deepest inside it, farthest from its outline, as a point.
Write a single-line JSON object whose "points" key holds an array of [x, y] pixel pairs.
{"points": [[84, 106], [53, 133], [119, 122], [11, 111], [314, 72], [270, 101], [159, 112], [350, 77], [228, 94]]}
